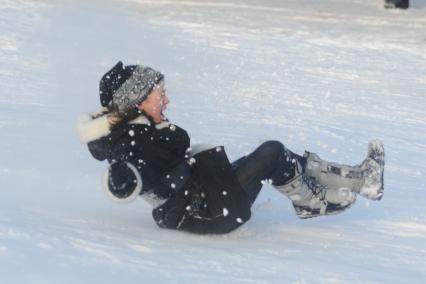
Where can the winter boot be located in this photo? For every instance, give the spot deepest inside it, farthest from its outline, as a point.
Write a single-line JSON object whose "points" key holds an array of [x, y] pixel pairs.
{"points": [[311, 199], [365, 179]]}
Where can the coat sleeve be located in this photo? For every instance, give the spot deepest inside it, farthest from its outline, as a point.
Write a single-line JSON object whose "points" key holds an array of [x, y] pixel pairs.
{"points": [[99, 148], [212, 203]]}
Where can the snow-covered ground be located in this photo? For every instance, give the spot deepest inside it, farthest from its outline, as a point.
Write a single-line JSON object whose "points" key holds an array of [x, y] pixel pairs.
{"points": [[320, 75]]}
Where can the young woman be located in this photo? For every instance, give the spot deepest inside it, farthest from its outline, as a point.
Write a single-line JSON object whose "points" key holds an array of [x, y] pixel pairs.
{"points": [[197, 189]]}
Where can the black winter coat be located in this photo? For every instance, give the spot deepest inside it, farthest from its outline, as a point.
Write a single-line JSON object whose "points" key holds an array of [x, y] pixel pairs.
{"points": [[201, 196]]}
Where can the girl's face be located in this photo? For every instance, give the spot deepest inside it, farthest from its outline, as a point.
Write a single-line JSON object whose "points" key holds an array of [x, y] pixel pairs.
{"points": [[155, 103]]}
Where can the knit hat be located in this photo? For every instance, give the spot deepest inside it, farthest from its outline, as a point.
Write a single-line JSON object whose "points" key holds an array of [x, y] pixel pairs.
{"points": [[123, 88]]}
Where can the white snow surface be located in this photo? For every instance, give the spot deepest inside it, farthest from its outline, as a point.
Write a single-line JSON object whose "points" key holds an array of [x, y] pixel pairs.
{"points": [[325, 76]]}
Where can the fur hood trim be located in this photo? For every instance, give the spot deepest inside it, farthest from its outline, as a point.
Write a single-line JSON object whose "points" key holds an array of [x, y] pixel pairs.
{"points": [[141, 119], [91, 126]]}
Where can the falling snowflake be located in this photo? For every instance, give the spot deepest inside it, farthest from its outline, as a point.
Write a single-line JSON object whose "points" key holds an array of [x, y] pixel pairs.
{"points": [[225, 212]]}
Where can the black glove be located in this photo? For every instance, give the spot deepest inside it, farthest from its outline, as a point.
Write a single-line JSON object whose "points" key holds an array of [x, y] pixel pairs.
{"points": [[123, 180]]}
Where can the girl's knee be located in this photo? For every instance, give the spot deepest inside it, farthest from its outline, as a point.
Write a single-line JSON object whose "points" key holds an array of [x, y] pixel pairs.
{"points": [[272, 149]]}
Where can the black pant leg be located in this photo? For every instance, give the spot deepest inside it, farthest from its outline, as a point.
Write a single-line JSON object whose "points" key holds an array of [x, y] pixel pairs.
{"points": [[270, 161]]}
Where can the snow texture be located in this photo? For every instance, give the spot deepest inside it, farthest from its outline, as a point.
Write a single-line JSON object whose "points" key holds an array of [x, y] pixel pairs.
{"points": [[325, 76]]}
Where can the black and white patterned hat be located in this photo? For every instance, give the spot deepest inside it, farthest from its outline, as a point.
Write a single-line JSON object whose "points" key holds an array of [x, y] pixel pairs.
{"points": [[123, 88]]}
